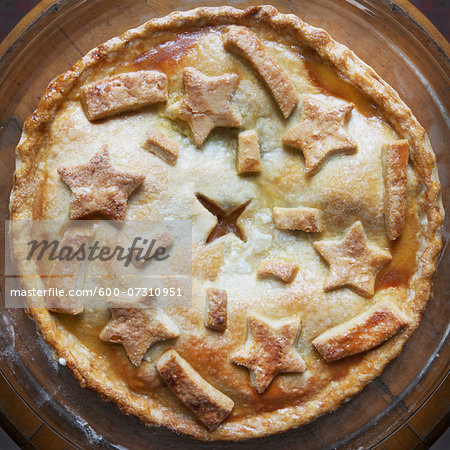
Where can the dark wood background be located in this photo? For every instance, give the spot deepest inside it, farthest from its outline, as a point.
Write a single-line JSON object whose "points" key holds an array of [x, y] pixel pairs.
{"points": [[437, 11]]}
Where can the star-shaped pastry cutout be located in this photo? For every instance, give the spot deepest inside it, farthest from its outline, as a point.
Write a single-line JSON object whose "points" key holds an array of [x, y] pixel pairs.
{"points": [[207, 103], [353, 261], [99, 188], [137, 326], [269, 351], [320, 131]]}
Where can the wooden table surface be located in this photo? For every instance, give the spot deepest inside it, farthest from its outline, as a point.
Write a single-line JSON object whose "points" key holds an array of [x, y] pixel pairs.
{"points": [[29, 432]]}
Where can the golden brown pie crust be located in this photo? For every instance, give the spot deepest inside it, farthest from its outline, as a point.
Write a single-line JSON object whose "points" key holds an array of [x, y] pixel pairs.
{"points": [[273, 413]]}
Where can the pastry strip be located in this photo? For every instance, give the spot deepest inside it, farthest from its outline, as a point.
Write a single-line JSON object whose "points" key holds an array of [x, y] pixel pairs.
{"points": [[365, 331], [160, 145], [67, 275], [123, 92], [395, 164], [279, 269], [210, 405], [244, 43], [249, 159], [303, 219], [216, 316]]}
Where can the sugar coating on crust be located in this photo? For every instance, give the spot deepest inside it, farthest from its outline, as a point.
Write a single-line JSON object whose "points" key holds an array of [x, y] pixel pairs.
{"points": [[123, 92], [216, 310], [353, 261], [320, 132], [279, 269]]}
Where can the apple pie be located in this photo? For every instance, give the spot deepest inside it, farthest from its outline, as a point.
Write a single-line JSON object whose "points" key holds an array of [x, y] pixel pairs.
{"points": [[314, 205]]}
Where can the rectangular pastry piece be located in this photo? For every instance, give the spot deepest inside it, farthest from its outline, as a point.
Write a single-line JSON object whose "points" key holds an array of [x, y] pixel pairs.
{"points": [[249, 159], [123, 92], [303, 219], [361, 333], [210, 405], [395, 165], [244, 43], [160, 145], [216, 314], [279, 269]]}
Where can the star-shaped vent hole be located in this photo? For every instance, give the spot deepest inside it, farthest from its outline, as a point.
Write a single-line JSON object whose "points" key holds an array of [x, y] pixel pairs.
{"points": [[226, 222]]}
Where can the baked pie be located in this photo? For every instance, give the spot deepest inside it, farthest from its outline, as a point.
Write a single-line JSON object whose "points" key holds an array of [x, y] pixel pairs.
{"points": [[314, 202]]}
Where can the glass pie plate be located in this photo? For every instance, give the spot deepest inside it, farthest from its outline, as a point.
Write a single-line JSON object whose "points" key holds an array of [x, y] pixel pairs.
{"points": [[399, 44]]}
